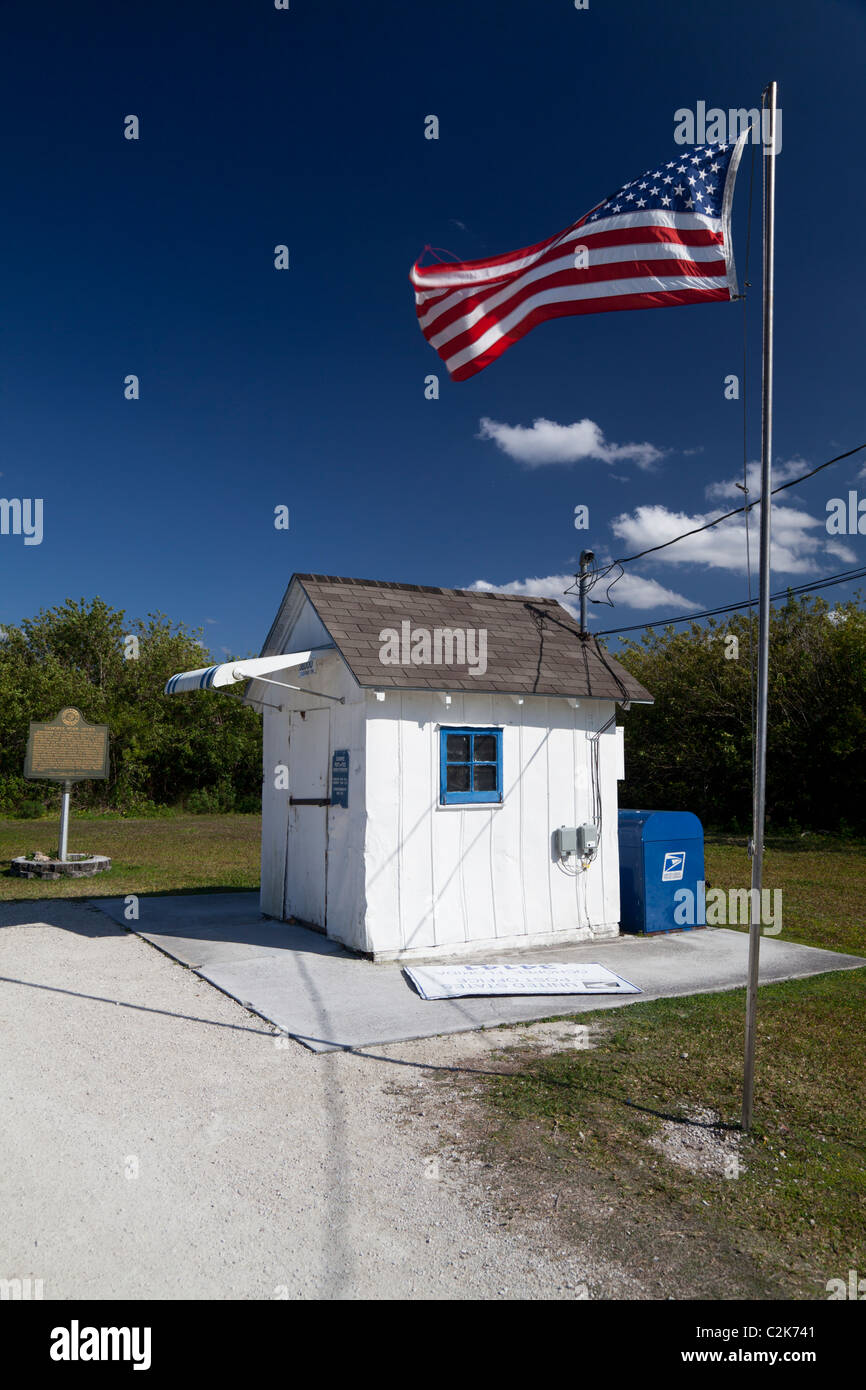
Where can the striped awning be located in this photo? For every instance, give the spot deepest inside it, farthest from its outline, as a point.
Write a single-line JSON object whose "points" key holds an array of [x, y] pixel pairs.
{"points": [[230, 672]]}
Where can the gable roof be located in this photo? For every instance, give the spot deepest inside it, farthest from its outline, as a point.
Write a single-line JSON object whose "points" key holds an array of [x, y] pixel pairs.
{"points": [[534, 645]]}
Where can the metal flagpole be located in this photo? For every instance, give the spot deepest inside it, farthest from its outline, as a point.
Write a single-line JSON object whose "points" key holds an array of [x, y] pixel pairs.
{"points": [[759, 802]]}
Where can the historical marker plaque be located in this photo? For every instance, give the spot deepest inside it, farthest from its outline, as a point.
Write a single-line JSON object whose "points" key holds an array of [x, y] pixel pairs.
{"points": [[67, 749]]}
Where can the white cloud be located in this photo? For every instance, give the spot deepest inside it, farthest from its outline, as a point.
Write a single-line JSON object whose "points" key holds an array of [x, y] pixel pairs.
{"points": [[547, 442], [841, 552], [733, 487], [794, 549], [553, 586], [631, 592]]}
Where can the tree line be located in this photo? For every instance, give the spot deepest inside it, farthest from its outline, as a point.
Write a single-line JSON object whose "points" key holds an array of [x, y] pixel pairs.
{"points": [[692, 750], [201, 750]]}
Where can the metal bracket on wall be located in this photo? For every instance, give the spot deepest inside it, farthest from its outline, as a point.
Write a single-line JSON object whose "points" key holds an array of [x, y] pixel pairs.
{"points": [[305, 690]]}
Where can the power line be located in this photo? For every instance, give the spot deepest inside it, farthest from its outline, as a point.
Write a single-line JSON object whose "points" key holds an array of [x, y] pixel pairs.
{"points": [[627, 559], [845, 577], [600, 573]]}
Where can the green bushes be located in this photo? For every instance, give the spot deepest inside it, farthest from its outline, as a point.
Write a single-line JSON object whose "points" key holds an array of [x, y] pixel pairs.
{"points": [[163, 749], [220, 800], [692, 749]]}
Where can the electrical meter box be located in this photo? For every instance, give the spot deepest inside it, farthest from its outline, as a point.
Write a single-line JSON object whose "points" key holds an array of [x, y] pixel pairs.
{"points": [[587, 839], [661, 853], [576, 839], [566, 840]]}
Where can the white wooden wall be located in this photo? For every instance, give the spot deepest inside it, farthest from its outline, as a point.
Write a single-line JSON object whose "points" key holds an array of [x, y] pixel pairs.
{"points": [[346, 898], [457, 878], [406, 876], [275, 810], [342, 829]]}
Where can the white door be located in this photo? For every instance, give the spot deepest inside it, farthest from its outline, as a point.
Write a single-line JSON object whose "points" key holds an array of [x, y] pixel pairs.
{"points": [[275, 812], [309, 751]]}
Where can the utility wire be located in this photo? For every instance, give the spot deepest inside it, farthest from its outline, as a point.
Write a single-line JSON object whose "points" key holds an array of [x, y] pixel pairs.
{"points": [[845, 577], [627, 559]]}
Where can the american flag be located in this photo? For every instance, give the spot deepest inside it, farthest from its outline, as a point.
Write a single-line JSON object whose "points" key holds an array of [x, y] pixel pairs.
{"points": [[664, 238]]}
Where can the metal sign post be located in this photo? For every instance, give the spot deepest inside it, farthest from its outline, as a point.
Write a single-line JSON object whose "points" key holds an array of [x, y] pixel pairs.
{"points": [[64, 821], [66, 749]]}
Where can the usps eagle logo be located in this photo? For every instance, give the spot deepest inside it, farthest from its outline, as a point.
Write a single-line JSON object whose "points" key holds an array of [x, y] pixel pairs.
{"points": [[674, 866]]}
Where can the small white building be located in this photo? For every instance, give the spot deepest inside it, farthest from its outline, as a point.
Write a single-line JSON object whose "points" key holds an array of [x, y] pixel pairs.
{"points": [[422, 749]]}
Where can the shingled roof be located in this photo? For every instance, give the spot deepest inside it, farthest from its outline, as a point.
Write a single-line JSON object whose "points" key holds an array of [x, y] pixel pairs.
{"points": [[534, 646]]}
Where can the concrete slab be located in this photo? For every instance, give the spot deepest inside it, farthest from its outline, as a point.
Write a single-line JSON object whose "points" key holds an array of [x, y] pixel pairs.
{"points": [[329, 999]]}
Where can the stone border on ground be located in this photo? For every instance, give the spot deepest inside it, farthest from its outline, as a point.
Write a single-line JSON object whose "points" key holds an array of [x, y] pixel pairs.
{"points": [[76, 866]]}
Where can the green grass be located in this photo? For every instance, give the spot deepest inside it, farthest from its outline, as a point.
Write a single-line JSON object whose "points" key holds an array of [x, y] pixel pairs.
{"points": [[161, 855], [583, 1119], [823, 883], [795, 1217]]}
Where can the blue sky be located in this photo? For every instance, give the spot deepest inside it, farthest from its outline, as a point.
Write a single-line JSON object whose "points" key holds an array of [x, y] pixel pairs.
{"points": [[306, 387]]}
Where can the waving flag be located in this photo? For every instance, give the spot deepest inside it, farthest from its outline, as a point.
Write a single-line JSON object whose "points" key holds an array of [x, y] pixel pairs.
{"points": [[664, 238]]}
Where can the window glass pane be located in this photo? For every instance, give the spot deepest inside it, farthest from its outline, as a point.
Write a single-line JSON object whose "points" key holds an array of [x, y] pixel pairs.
{"points": [[457, 777], [457, 748], [485, 777], [485, 748]]}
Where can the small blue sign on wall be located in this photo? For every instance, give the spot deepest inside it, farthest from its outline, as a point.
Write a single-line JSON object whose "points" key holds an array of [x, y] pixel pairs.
{"points": [[340, 778]]}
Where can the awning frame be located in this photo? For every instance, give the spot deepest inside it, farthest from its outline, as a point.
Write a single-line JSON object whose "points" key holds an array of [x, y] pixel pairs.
{"points": [[304, 689], [233, 672]]}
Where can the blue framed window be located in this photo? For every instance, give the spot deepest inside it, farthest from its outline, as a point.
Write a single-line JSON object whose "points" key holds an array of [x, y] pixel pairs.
{"points": [[470, 765]]}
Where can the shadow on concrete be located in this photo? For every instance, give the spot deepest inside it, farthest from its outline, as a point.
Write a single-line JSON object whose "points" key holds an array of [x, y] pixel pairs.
{"points": [[140, 1008], [329, 998], [67, 914]]}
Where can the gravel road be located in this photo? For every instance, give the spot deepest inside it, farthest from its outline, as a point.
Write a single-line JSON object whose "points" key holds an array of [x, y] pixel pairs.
{"points": [[160, 1142]]}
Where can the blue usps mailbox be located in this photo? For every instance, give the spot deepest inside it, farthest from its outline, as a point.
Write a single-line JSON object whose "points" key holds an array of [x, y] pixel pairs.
{"points": [[660, 854]]}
